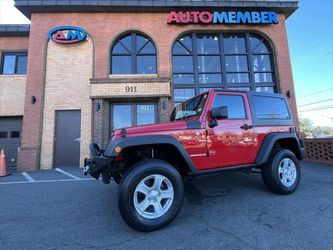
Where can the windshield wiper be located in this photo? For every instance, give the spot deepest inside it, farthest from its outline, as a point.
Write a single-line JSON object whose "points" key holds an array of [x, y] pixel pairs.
{"points": [[185, 117]]}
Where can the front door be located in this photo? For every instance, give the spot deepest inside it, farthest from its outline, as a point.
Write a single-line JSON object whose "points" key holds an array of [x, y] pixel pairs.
{"points": [[67, 138], [134, 114], [228, 143]]}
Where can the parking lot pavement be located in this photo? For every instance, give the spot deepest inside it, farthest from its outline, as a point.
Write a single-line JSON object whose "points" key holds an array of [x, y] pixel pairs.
{"points": [[66, 210]]}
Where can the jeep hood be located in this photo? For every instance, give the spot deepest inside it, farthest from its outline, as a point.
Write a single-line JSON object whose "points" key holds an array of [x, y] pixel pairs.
{"points": [[156, 128]]}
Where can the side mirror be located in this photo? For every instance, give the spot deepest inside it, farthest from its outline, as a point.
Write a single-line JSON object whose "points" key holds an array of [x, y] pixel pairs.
{"points": [[219, 112]]}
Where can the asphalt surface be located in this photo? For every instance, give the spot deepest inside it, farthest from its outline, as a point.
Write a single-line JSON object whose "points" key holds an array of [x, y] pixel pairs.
{"points": [[232, 210]]}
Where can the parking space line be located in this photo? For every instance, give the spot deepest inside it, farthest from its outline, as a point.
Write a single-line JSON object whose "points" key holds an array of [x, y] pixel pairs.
{"points": [[68, 174], [28, 177], [46, 181]]}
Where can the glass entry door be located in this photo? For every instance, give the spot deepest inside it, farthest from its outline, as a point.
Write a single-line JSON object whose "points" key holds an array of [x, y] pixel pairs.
{"points": [[134, 114]]}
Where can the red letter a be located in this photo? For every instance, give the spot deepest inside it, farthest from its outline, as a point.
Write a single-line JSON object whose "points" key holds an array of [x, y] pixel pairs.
{"points": [[173, 17], [59, 36]]}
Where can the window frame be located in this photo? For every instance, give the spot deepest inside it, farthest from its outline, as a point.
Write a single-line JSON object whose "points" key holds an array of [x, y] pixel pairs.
{"points": [[250, 55], [16, 54], [134, 53], [269, 122], [133, 111], [244, 106]]}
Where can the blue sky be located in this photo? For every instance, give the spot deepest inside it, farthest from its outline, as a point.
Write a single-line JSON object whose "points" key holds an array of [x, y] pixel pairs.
{"points": [[310, 35]]}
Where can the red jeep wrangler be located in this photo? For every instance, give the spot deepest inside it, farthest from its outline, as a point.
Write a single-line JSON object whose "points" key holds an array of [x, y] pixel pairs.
{"points": [[212, 132]]}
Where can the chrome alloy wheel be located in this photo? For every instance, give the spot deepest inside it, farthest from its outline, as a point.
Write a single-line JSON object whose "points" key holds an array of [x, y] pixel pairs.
{"points": [[287, 172], [153, 196]]}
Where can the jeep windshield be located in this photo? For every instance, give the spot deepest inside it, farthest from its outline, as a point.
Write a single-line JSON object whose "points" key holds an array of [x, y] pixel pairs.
{"points": [[190, 108]]}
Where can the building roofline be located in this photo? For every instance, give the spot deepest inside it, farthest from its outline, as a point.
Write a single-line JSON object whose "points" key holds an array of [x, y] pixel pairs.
{"points": [[14, 30], [27, 7]]}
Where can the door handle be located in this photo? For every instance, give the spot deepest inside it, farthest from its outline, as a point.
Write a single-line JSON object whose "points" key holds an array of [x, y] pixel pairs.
{"points": [[78, 139], [246, 127]]}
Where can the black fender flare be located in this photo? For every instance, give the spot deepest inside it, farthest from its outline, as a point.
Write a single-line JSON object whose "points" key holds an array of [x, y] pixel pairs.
{"points": [[268, 144], [126, 142]]}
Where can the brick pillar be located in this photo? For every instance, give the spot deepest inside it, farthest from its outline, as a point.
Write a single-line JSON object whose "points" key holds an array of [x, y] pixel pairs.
{"points": [[101, 122], [29, 155], [164, 109]]}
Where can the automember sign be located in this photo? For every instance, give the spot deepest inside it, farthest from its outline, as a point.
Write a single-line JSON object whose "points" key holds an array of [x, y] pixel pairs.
{"points": [[223, 17], [67, 34]]}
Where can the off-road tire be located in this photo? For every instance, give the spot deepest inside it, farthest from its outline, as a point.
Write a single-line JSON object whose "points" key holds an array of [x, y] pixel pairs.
{"points": [[129, 183], [270, 172]]}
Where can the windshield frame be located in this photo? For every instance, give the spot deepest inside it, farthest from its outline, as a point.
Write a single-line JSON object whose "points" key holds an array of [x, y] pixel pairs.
{"points": [[198, 109]]}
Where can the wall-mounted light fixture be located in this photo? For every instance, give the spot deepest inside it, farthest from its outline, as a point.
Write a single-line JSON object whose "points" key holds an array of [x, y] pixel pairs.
{"points": [[98, 106], [288, 94], [33, 99]]}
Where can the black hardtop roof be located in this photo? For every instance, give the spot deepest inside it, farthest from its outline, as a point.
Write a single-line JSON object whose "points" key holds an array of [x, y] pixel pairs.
{"points": [[248, 92]]}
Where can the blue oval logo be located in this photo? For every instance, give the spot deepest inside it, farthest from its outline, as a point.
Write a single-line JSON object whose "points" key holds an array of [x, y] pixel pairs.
{"points": [[67, 34]]}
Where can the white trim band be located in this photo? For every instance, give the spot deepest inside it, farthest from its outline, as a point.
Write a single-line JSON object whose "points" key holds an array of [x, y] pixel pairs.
{"points": [[196, 155]]}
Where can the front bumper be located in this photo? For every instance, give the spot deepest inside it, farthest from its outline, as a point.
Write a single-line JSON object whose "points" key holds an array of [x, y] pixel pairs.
{"points": [[98, 163]]}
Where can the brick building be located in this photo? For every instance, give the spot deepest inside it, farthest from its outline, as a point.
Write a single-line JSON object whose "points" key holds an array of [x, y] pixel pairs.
{"points": [[85, 67]]}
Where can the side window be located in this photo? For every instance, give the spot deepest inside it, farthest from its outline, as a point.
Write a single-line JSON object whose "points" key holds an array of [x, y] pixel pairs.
{"points": [[14, 63], [267, 107], [235, 104]]}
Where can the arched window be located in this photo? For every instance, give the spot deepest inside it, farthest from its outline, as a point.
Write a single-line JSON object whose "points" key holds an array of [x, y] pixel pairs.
{"points": [[133, 54], [240, 61]]}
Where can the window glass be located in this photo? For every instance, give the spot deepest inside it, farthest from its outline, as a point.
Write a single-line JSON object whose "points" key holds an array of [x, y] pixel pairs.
{"points": [[121, 65], [209, 64], [265, 89], [145, 114], [9, 64], [21, 65], [234, 44], [261, 63], [149, 48], [190, 108], [208, 44], [223, 60], [235, 104], [181, 95], [127, 42], [257, 45], [3, 134], [202, 90], [138, 60], [210, 78], [122, 116], [146, 64], [240, 88], [263, 77], [140, 42], [120, 49], [183, 79], [236, 63], [270, 108], [14, 134], [179, 48], [238, 78], [182, 64]]}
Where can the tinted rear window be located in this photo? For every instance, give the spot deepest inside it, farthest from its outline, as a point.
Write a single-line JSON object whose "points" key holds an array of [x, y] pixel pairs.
{"points": [[267, 107]]}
